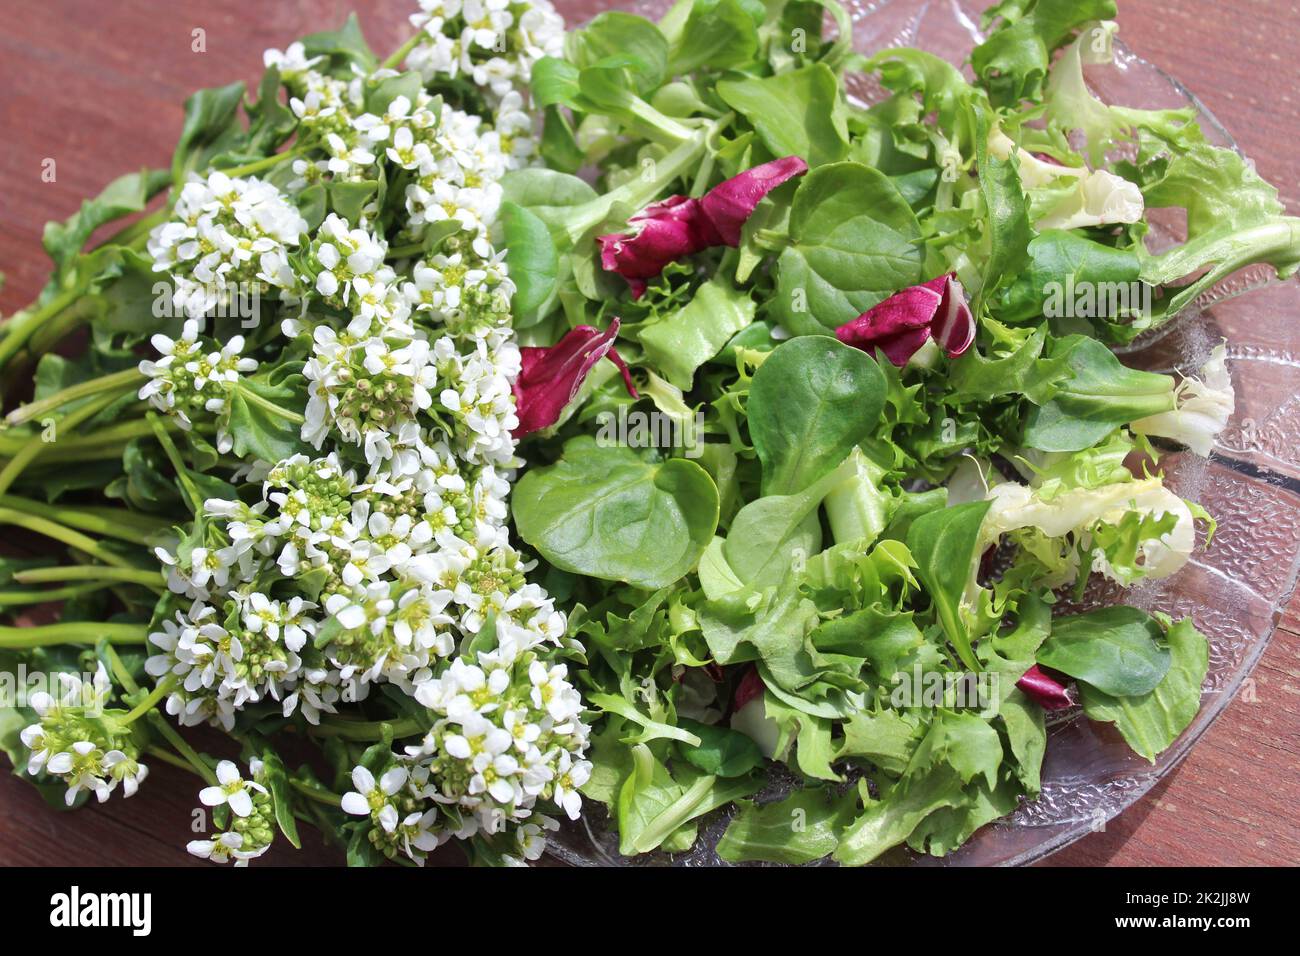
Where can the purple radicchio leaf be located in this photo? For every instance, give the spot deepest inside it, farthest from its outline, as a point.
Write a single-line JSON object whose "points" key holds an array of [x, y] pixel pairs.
{"points": [[680, 226], [900, 325], [550, 377], [1044, 690]]}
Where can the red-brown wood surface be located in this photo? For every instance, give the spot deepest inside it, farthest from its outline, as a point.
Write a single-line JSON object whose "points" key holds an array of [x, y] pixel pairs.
{"points": [[98, 88]]}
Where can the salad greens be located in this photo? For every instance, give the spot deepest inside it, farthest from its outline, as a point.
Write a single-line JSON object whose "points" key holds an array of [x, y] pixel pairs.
{"points": [[622, 412], [877, 601]]}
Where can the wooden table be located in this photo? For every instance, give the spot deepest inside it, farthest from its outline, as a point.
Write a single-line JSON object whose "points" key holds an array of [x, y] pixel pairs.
{"points": [[98, 88]]}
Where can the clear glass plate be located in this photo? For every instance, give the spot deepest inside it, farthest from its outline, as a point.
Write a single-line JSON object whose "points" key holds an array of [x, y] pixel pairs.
{"points": [[1235, 591]]}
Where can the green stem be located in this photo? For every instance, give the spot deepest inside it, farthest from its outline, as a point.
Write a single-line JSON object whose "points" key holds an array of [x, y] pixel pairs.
{"points": [[88, 572], [191, 493], [267, 162], [313, 793], [163, 688], [65, 396], [73, 632], [405, 252], [114, 522], [58, 532], [52, 332], [402, 52], [637, 192], [20, 327], [11, 598], [141, 227], [367, 729], [167, 757], [37, 444], [120, 671], [117, 434], [184, 749]]}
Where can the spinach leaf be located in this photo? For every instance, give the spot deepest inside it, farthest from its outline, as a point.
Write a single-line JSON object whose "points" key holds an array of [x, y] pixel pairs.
{"points": [[1152, 721], [1061, 262], [615, 33], [800, 113], [546, 194], [531, 260], [946, 547], [812, 400], [1026, 729], [611, 514], [1114, 649], [721, 751], [1097, 396], [854, 243], [718, 35]]}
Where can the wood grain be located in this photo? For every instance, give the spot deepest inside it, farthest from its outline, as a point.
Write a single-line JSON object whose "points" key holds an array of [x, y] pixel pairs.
{"points": [[98, 88]]}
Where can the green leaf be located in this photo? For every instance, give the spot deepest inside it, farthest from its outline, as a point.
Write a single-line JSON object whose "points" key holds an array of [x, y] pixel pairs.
{"points": [[1026, 728], [1006, 210], [277, 780], [855, 242], [719, 35], [721, 751], [956, 749], [946, 547], [266, 420], [1097, 396], [1114, 649], [682, 341], [123, 196], [548, 195], [344, 46], [211, 127], [531, 261], [609, 513], [803, 827], [1022, 372], [653, 806], [800, 113], [1061, 264], [810, 403], [616, 33], [1151, 722]]}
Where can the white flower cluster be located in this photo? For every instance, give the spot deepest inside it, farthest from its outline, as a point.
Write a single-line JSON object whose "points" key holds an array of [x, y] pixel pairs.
{"points": [[230, 237], [383, 555], [493, 42], [507, 735], [190, 377], [76, 742], [251, 822]]}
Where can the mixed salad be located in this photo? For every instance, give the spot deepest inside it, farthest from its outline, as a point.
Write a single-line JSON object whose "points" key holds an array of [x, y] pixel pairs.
{"points": [[534, 424]]}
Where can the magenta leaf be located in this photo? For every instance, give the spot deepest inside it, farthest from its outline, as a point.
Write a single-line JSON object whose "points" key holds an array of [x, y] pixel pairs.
{"points": [[750, 686], [680, 226], [900, 325], [1044, 690], [549, 378], [730, 204]]}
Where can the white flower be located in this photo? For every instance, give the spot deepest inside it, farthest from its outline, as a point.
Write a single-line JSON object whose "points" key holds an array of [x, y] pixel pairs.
{"points": [[372, 797], [231, 789]]}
